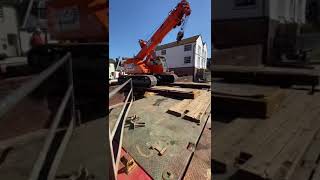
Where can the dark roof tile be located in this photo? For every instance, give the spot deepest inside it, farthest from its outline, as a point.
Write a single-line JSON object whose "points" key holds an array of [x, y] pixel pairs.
{"points": [[182, 42]]}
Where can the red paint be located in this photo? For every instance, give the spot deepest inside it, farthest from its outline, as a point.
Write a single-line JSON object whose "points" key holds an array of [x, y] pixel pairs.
{"points": [[36, 40], [136, 174], [78, 20]]}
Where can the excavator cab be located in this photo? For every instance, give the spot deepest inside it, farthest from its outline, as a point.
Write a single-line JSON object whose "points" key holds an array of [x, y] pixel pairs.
{"points": [[165, 76], [162, 60]]}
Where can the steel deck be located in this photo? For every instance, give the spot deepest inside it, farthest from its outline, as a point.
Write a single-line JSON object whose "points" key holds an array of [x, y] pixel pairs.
{"points": [[164, 129]]}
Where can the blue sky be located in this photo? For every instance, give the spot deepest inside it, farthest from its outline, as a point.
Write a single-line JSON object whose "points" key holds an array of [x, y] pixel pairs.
{"points": [[131, 20]]}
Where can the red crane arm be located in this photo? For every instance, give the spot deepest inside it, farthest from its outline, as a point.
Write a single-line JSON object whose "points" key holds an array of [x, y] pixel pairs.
{"points": [[175, 18]]}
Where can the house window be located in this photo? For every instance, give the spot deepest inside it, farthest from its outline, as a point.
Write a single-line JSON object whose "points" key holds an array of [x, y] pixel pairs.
{"points": [[163, 52], [187, 59], [187, 47], [245, 3]]}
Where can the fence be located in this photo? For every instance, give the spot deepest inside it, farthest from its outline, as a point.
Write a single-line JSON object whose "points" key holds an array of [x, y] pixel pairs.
{"points": [[13, 99], [116, 132]]}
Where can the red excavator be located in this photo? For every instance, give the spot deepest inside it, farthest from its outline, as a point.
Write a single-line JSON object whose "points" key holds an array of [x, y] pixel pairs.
{"points": [[145, 68]]}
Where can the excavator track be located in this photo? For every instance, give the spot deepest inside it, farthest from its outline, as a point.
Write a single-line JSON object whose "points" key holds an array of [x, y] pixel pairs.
{"points": [[163, 79], [140, 80]]}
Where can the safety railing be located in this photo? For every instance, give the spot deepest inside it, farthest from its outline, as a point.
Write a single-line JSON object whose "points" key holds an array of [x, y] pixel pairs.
{"points": [[13, 99], [116, 132]]}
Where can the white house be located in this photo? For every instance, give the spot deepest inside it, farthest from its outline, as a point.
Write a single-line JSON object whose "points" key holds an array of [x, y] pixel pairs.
{"points": [[9, 41], [255, 22], [17, 22], [281, 11], [185, 57]]}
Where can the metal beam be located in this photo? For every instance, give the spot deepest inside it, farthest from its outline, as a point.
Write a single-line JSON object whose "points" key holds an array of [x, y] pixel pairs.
{"points": [[61, 150], [113, 131], [26, 17], [43, 154], [12, 99], [115, 91]]}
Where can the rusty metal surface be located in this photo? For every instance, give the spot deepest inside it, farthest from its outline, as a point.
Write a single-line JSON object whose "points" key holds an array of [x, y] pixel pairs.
{"points": [[136, 173], [200, 165], [161, 128]]}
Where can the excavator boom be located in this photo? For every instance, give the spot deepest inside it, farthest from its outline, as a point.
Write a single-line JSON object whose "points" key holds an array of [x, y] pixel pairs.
{"points": [[175, 18], [144, 67]]}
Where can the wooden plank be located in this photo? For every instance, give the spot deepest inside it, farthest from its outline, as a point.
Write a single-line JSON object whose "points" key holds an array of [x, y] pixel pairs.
{"points": [[302, 173], [286, 161], [268, 151], [179, 108], [308, 163], [259, 107], [272, 75], [175, 92], [247, 135], [281, 153], [265, 129], [264, 69], [238, 98], [192, 85], [196, 109], [312, 154], [167, 88], [231, 134], [316, 175], [242, 90]]}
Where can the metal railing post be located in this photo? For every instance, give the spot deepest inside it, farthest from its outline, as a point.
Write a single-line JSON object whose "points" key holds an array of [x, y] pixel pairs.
{"points": [[73, 108], [59, 154], [118, 129], [16, 96], [131, 84], [11, 100]]}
